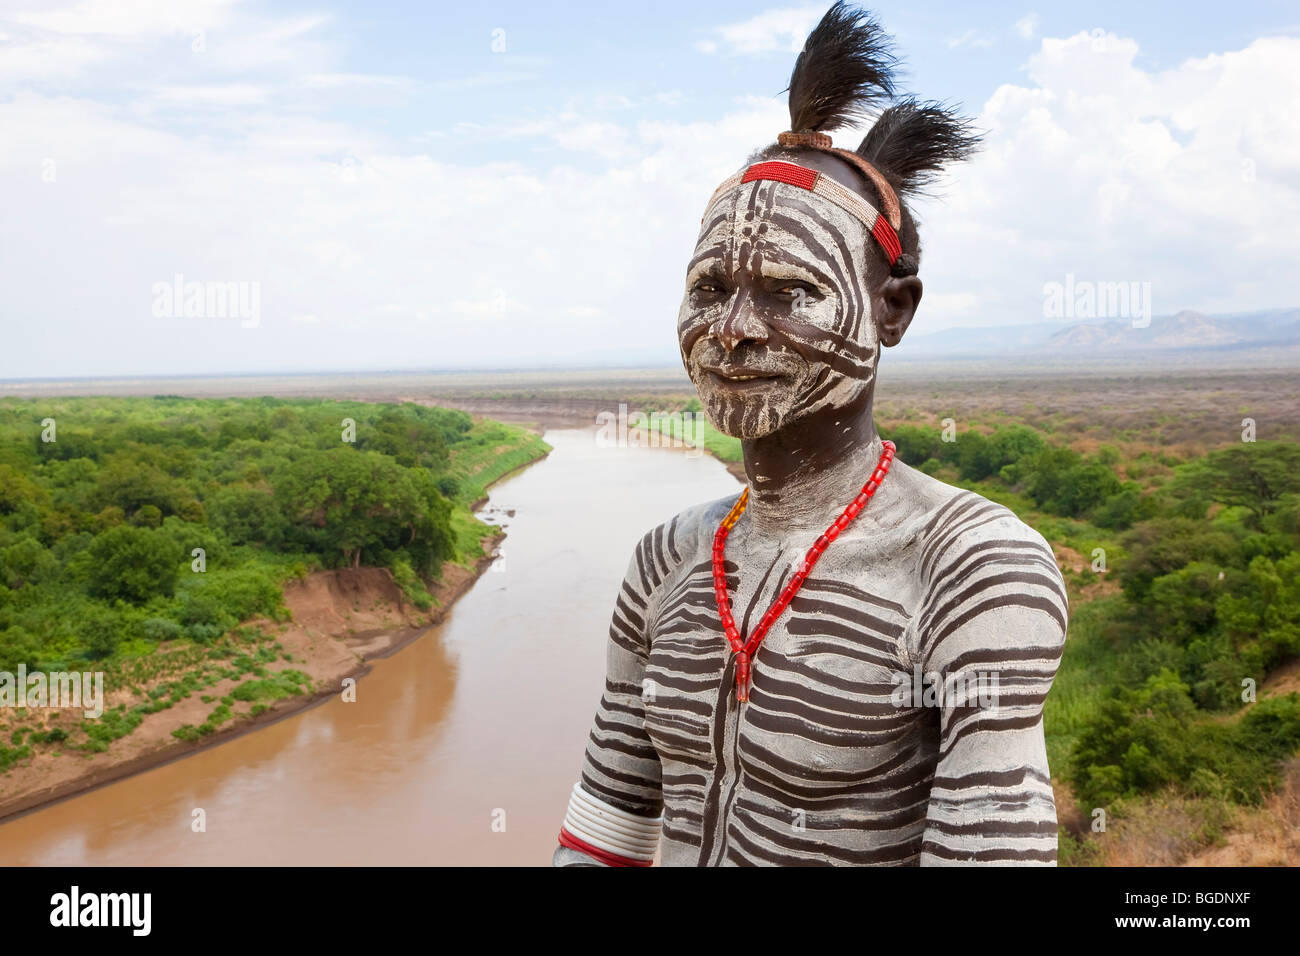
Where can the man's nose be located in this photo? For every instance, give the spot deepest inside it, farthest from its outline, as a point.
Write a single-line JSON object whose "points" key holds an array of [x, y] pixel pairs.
{"points": [[740, 324]]}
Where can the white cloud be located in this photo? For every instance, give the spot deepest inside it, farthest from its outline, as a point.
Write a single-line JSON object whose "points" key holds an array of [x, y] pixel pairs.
{"points": [[342, 80], [211, 94], [1027, 26], [773, 30], [603, 139], [125, 18], [971, 38], [1098, 168], [60, 43], [515, 264], [372, 253], [32, 56], [950, 303]]}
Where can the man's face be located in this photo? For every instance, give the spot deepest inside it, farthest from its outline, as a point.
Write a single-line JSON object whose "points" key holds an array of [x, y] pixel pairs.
{"points": [[776, 324]]}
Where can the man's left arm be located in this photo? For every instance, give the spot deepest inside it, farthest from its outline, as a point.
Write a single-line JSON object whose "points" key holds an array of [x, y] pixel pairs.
{"points": [[994, 633]]}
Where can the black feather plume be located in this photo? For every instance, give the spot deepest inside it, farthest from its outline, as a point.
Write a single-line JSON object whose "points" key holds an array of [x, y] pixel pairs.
{"points": [[846, 68], [912, 141]]}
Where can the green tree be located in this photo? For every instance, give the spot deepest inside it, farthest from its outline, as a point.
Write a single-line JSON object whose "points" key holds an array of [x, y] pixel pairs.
{"points": [[349, 503], [248, 516], [1163, 545], [1256, 476], [130, 564]]}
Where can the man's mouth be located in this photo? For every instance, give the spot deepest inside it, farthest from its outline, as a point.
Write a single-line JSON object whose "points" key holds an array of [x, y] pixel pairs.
{"points": [[738, 377]]}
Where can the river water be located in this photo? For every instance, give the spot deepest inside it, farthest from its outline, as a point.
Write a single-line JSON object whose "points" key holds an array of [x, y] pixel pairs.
{"points": [[461, 748]]}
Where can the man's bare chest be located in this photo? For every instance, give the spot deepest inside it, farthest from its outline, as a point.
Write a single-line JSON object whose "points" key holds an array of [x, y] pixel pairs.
{"points": [[822, 702]]}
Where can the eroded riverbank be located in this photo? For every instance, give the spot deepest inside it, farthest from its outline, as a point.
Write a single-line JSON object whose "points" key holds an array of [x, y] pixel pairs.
{"points": [[341, 622]]}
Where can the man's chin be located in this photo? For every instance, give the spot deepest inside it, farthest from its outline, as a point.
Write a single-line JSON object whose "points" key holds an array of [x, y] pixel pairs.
{"points": [[746, 417]]}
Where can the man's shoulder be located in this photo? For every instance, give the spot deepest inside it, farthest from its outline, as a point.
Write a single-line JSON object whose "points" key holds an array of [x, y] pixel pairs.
{"points": [[699, 522], [992, 589], [960, 528], [685, 534]]}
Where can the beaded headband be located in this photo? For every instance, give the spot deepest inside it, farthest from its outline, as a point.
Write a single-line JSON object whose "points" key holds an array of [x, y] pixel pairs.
{"points": [[883, 227]]}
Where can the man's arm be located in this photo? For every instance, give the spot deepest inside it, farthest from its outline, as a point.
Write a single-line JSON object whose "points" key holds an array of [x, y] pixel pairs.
{"points": [[994, 623], [614, 815]]}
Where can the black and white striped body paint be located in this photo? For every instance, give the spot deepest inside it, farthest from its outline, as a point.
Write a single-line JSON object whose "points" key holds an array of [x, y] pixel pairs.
{"points": [[849, 751]]}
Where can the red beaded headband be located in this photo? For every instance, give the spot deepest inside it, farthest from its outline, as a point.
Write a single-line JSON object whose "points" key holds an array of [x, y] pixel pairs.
{"points": [[819, 185], [820, 141]]}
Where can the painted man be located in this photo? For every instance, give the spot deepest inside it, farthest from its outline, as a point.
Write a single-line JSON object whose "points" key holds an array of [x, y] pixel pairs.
{"points": [[852, 670]]}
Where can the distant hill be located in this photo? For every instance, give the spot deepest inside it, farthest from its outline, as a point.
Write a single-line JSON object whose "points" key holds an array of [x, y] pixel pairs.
{"points": [[1102, 339]]}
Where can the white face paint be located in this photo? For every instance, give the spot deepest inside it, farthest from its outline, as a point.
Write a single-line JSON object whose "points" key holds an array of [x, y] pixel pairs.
{"points": [[776, 323]]}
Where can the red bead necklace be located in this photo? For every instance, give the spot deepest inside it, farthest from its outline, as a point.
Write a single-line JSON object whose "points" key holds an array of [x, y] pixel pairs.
{"points": [[745, 650]]}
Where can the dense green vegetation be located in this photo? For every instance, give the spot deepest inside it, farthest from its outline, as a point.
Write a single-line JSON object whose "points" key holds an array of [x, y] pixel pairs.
{"points": [[128, 523]]}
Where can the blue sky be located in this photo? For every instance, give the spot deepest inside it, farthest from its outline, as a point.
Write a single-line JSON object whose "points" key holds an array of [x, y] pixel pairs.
{"points": [[416, 185], [566, 51]]}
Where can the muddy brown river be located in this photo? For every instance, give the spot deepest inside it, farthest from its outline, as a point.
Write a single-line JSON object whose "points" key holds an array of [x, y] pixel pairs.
{"points": [[461, 748]]}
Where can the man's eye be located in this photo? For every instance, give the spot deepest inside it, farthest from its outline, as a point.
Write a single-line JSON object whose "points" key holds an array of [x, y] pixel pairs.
{"points": [[707, 286], [795, 293]]}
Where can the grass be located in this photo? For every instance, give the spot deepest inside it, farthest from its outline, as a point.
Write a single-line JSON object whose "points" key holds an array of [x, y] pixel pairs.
{"points": [[488, 451], [1085, 671], [469, 533], [695, 432], [1163, 829]]}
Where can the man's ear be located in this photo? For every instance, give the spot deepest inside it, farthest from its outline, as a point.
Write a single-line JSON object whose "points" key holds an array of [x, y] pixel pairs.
{"points": [[896, 302]]}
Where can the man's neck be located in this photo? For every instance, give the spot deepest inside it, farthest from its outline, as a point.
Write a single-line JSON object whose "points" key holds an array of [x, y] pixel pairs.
{"points": [[802, 476]]}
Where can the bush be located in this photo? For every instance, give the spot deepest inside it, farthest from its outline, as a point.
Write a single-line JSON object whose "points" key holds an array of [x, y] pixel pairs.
{"points": [[101, 629], [111, 725], [1124, 509], [1141, 741], [449, 487], [147, 517], [248, 515], [286, 683], [1273, 725], [18, 646], [411, 586], [9, 757], [204, 633], [160, 629], [130, 564]]}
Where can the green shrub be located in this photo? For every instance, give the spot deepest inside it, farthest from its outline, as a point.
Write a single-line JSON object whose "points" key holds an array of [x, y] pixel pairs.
{"points": [[110, 725], [160, 629], [130, 564], [11, 756]]}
